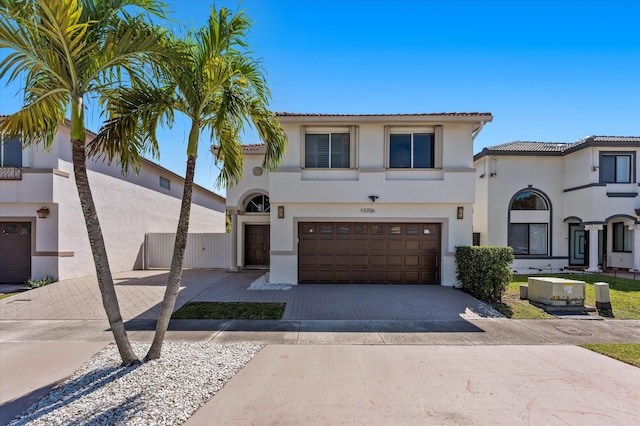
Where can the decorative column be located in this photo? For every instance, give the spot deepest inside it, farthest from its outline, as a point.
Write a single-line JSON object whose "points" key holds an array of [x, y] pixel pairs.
{"points": [[234, 241], [635, 227], [593, 247]]}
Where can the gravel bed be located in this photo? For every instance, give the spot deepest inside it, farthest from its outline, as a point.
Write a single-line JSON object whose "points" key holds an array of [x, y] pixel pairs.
{"points": [[263, 283], [162, 392]]}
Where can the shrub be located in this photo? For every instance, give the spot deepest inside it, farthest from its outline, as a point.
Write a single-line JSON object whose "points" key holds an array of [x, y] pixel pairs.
{"points": [[484, 271], [40, 282]]}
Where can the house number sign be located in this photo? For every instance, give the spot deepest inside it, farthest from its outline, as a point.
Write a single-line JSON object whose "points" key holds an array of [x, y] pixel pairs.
{"points": [[367, 210]]}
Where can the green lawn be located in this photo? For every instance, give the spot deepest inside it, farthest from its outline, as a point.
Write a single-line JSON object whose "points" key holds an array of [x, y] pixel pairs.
{"points": [[230, 310], [625, 352], [624, 294]]}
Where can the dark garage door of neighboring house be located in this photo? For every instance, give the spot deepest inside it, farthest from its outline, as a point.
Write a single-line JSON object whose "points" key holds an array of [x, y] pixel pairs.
{"points": [[15, 251], [369, 253]]}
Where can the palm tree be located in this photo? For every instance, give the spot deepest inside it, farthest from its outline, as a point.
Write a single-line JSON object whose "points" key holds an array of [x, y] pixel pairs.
{"points": [[220, 89], [71, 51]]}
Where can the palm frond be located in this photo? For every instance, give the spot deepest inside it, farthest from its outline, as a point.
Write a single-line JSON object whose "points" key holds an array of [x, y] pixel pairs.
{"points": [[132, 119], [230, 155]]}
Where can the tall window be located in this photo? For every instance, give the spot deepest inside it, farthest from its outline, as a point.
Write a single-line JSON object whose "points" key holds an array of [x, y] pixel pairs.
{"points": [[529, 223], [326, 150], [10, 152], [411, 150], [258, 204], [616, 167], [622, 238]]}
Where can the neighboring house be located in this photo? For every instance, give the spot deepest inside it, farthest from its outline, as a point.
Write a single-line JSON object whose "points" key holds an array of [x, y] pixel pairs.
{"points": [[42, 229], [561, 204], [359, 199]]}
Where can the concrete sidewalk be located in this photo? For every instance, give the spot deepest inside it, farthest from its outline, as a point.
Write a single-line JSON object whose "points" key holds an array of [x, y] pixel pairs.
{"points": [[434, 385]]}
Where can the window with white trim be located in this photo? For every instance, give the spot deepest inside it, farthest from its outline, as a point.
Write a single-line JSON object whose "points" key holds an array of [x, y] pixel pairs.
{"points": [[327, 150], [411, 150], [10, 152]]}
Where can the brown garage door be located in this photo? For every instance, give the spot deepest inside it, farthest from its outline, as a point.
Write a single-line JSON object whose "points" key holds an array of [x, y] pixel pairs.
{"points": [[15, 252], [381, 253]]}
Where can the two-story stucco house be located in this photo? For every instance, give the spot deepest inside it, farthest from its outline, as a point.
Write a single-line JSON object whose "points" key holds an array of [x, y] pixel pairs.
{"points": [[561, 204], [42, 229], [381, 198]]}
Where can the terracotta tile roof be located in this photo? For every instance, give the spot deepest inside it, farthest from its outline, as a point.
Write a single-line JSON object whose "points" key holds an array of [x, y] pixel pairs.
{"points": [[437, 114], [253, 147], [250, 148]]}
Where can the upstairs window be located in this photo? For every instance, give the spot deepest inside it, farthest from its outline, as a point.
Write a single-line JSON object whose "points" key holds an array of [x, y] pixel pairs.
{"points": [[10, 152], [258, 204], [411, 150], [616, 167], [165, 183], [327, 150]]}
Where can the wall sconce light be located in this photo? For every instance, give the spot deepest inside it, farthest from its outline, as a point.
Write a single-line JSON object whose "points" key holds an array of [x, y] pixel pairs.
{"points": [[373, 198], [280, 212], [460, 213], [43, 212]]}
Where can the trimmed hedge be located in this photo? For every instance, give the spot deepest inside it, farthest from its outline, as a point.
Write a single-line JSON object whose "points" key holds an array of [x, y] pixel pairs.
{"points": [[484, 271]]}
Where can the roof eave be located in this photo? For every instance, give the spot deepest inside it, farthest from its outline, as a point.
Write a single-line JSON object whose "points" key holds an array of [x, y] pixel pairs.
{"points": [[391, 119]]}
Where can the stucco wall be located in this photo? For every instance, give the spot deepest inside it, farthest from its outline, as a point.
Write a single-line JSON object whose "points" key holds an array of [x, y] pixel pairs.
{"points": [[128, 208], [341, 194], [585, 200]]}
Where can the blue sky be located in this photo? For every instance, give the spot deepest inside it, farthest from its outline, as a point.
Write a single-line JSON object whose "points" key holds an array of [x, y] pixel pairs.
{"points": [[546, 70]]}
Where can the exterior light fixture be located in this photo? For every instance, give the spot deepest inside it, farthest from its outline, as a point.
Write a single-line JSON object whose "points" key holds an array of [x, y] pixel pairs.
{"points": [[460, 214], [373, 198], [280, 212], [43, 212]]}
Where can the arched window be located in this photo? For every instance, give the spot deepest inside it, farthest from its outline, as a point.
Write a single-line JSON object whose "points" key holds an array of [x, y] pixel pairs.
{"points": [[529, 223], [258, 204], [529, 200]]}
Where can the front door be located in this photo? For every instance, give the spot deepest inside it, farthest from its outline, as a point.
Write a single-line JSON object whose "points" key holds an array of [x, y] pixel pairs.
{"points": [[578, 245], [256, 245], [15, 252]]}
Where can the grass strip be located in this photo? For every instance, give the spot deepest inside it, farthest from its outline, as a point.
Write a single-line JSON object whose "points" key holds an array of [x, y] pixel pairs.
{"points": [[623, 292], [230, 310], [625, 352]]}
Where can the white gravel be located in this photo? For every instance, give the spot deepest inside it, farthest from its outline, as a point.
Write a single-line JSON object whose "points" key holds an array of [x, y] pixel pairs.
{"points": [[263, 283], [162, 392]]}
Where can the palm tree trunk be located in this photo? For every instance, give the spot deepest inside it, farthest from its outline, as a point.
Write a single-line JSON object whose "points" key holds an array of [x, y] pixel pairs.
{"points": [[96, 241], [175, 274]]}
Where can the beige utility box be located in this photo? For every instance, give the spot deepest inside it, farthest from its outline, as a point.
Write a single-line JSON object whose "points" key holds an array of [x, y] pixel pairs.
{"points": [[556, 291]]}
